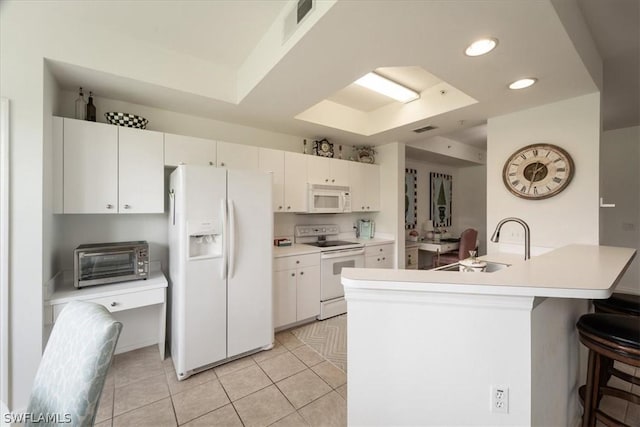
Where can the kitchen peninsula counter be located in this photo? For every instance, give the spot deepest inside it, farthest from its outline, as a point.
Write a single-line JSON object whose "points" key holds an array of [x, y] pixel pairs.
{"points": [[574, 271], [442, 342]]}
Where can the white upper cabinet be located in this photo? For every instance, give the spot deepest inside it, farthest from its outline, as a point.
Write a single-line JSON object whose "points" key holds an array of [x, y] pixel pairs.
{"points": [[295, 184], [141, 171], [109, 169], [365, 187], [272, 161], [90, 177], [323, 170], [187, 150], [237, 156]]}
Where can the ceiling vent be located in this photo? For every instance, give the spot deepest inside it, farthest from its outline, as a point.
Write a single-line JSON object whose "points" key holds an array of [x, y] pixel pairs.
{"points": [[296, 16], [424, 129]]}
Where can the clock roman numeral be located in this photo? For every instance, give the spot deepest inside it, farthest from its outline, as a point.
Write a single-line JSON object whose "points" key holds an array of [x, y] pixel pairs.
{"points": [[535, 190], [535, 152], [561, 169], [523, 157], [557, 180], [515, 183], [557, 160], [523, 189]]}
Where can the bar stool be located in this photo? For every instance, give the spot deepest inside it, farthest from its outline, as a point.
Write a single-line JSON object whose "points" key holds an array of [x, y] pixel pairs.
{"points": [[619, 304], [609, 338]]}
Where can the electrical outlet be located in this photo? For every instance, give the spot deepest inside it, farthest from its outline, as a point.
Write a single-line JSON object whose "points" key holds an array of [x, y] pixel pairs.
{"points": [[499, 399]]}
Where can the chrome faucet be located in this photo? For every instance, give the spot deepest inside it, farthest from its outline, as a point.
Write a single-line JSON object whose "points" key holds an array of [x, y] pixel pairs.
{"points": [[527, 234]]}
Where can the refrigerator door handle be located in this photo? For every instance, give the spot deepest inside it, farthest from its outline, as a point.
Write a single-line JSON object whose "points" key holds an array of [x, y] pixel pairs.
{"points": [[232, 238], [225, 220]]}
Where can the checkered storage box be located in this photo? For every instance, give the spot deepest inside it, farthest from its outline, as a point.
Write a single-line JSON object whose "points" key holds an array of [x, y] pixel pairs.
{"points": [[126, 119]]}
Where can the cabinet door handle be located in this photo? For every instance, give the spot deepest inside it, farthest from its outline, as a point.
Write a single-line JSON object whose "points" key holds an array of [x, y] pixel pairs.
{"points": [[380, 249], [293, 274], [368, 207], [221, 163], [378, 259], [302, 273], [288, 207], [326, 180], [363, 208], [298, 262], [127, 206], [210, 163], [333, 180], [113, 304], [279, 207], [109, 206], [383, 258]]}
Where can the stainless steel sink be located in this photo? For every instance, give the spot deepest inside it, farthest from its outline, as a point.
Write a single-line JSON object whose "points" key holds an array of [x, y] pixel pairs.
{"points": [[490, 268]]}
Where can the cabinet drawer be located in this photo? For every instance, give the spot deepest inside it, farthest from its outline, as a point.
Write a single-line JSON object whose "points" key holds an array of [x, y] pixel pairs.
{"points": [[122, 302], [385, 250], [296, 261]]}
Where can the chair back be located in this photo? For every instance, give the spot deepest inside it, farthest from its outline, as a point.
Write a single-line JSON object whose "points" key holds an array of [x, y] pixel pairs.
{"points": [[74, 365], [468, 240]]}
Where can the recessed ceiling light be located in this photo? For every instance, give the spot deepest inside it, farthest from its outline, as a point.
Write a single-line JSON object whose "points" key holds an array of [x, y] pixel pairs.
{"points": [[480, 47], [384, 86], [523, 83]]}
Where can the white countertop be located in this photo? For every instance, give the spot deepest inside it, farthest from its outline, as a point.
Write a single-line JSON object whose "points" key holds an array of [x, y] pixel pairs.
{"points": [[372, 242], [574, 271], [294, 249], [66, 292]]}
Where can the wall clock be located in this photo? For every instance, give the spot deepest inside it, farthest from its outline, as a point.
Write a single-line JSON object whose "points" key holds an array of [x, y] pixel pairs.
{"points": [[323, 148], [538, 171]]}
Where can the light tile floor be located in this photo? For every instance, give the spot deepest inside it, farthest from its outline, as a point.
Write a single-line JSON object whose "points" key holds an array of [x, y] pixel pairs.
{"points": [[289, 385]]}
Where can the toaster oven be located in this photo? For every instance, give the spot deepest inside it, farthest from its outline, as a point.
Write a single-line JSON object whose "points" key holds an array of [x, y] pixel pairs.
{"points": [[103, 263]]}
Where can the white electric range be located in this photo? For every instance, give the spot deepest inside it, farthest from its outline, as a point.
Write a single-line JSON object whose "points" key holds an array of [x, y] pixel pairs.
{"points": [[334, 255]]}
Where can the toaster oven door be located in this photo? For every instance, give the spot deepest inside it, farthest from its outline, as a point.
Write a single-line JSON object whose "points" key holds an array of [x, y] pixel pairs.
{"points": [[96, 268]]}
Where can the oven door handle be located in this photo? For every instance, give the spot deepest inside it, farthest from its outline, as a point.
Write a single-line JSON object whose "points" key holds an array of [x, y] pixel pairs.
{"points": [[106, 253], [342, 254]]}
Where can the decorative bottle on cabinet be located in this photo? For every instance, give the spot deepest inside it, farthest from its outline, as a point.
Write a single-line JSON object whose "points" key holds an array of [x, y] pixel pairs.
{"points": [[91, 109], [81, 107]]}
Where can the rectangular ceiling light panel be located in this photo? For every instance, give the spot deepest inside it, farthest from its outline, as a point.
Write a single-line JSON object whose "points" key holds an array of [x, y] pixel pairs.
{"points": [[384, 86]]}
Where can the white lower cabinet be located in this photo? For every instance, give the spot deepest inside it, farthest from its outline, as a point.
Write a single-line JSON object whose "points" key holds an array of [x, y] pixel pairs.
{"points": [[296, 289], [379, 256]]}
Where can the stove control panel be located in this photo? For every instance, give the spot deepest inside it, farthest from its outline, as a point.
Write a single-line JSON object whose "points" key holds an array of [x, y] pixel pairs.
{"points": [[316, 230]]}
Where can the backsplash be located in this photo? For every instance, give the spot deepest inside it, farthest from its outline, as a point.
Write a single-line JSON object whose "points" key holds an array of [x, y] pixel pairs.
{"points": [[285, 223]]}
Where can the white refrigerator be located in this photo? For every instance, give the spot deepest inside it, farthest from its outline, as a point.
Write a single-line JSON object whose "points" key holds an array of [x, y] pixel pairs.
{"points": [[221, 265]]}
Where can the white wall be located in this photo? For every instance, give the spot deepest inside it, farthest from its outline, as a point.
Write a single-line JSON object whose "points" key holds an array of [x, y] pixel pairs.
{"points": [[620, 184], [21, 81], [184, 124], [573, 215], [470, 202], [392, 164]]}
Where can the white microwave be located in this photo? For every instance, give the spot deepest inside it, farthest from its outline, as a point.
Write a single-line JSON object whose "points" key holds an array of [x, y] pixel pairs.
{"points": [[329, 199]]}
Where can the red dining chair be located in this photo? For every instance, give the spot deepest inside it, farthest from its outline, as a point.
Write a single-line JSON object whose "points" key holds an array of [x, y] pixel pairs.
{"points": [[468, 240]]}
